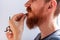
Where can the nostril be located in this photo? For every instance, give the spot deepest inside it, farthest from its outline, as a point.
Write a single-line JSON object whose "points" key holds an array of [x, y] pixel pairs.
{"points": [[28, 4]]}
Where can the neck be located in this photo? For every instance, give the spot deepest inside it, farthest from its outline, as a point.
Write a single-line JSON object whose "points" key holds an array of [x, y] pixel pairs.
{"points": [[47, 27]]}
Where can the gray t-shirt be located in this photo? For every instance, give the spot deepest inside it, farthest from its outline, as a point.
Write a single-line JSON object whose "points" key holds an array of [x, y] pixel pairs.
{"points": [[54, 36]]}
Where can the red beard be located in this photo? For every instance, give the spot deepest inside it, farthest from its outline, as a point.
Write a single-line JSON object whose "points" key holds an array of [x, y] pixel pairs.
{"points": [[32, 22]]}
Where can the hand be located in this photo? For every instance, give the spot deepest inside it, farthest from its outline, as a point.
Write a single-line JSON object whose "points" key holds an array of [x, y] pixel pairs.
{"points": [[16, 25]]}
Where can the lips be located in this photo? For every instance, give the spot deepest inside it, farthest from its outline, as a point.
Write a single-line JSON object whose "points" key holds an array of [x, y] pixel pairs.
{"points": [[28, 9]]}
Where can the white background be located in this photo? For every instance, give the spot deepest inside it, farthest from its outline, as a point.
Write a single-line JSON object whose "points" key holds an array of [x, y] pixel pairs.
{"points": [[9, 8]]}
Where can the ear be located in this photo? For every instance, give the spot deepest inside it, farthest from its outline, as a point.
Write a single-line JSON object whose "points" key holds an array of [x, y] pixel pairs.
{"points": [[52, 4]]}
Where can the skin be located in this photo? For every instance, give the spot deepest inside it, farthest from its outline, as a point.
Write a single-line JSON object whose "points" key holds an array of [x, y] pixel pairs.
{"points": [[44, 12], [17, 29]]}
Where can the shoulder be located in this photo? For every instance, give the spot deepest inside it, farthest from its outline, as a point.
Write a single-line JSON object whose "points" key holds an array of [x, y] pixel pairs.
{"points": [[55, 38], [56, 35]]}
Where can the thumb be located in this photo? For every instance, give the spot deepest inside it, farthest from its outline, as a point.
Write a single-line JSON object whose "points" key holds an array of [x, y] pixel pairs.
{"points": [[21, 23]]}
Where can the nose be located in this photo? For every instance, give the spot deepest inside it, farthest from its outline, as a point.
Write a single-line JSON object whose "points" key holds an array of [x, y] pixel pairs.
{"points": [[28, 4]]}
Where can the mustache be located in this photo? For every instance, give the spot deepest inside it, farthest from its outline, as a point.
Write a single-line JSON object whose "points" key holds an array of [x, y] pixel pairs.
{"points": [[28, 9]]}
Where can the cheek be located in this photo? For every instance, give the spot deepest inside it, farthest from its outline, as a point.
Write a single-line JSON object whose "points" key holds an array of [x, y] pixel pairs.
{"points": [[38, 11], [36, 7]]}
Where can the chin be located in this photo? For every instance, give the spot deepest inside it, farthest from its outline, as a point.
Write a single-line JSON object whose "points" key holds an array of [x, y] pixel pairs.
{"points": [[31, 21]]}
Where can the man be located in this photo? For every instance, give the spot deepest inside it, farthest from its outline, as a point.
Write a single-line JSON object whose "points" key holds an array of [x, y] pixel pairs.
{"points": [[41, 13]]}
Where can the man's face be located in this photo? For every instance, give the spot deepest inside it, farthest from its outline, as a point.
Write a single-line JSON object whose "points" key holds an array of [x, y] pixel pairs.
{"points": [[35, 9]]}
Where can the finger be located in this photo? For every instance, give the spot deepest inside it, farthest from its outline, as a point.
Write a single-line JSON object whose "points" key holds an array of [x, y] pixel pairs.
{"points": [[22, 18], [12, 25], [21, 23], [9, 34], [17, 17]]}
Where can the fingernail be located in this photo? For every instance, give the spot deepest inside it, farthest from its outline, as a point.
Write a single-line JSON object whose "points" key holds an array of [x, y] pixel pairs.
{"points": [[9, 36], [10, 32]]}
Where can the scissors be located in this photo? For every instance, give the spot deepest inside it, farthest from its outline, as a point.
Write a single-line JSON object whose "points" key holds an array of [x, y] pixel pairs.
{"points": [[8, 28]]}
